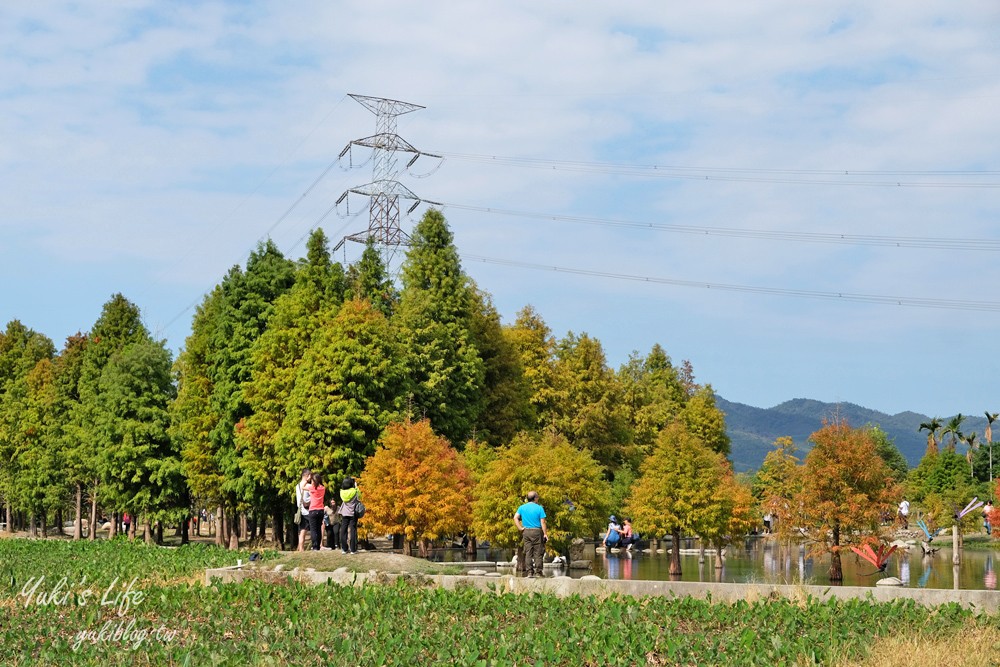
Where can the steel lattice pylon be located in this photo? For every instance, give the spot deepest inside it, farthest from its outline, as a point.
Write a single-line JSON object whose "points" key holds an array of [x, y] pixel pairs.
{"points": [[384, 191]]}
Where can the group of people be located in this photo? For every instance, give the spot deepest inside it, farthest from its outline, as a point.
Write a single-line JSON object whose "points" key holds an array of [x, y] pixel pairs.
{"points": [[317, 515], [620, 535]]}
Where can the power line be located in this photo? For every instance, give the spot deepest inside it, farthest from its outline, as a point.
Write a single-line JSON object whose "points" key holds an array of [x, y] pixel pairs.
{"points": [[935, 243], [744, 174], [915, 302]]}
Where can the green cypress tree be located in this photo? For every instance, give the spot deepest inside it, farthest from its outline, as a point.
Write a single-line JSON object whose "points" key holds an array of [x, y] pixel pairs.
{"points": [[590, 409], [536, 348], [139, 461], [118, 326], [435, 313], [192, 415], [654, 394], [507, 407], [21, 351], [370, 280], [349, 386], [247, 302], [275, 355]]}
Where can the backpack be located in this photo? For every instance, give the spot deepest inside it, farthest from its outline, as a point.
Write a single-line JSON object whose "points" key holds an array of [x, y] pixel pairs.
{"points": [[359, 509]]}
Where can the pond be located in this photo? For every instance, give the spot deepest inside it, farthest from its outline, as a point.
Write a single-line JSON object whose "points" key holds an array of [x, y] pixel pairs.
{"points": [[764, 561]]}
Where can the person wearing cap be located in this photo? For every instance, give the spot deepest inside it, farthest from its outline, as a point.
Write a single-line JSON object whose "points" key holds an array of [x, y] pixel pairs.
{"points": [[530, 522], [614, 534]]}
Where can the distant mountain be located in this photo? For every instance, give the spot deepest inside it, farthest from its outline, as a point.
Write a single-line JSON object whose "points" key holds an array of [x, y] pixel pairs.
{"points": [[754, 430]]}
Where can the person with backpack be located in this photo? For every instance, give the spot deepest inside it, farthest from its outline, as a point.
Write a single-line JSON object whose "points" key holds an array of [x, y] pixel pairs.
{"points": [[351, 509]]}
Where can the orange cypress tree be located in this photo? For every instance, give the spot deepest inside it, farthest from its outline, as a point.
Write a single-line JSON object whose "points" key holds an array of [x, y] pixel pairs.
{"points": [[845, 487], [416, 485]]}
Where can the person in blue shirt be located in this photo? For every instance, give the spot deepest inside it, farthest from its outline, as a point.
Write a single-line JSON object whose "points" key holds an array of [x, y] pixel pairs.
{"points": [[530, 521]]}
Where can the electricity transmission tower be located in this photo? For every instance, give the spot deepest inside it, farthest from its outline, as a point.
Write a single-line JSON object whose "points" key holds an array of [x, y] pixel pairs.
{"points": [[384, 191]]}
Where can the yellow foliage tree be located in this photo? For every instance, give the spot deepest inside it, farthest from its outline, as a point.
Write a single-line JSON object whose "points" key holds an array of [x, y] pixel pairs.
{"points": [[569, 483], [678, 488], [734, 514], [416, 485], [777, 484]]}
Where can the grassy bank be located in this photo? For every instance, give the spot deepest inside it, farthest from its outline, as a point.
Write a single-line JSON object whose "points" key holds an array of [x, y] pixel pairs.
{"points": [[167, 618]]}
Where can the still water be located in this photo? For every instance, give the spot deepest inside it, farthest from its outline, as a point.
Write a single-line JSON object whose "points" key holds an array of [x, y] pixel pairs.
{"points": [[764, 561]]}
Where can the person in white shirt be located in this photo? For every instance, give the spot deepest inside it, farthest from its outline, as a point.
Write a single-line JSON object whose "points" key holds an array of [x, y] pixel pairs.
{"points": [[302, 503], [904, 513]]}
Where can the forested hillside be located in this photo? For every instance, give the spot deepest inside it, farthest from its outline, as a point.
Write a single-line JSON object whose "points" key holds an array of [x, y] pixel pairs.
{"points": [[753, 430]]}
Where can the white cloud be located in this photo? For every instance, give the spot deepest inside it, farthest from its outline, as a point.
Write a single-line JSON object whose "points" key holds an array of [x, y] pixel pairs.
{"points": [[163, 139]]}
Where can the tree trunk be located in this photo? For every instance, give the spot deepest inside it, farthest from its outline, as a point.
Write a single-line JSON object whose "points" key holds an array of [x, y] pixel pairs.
{"points": [[147, 531], [185, 527], [675, 554], [113, 530], [32, 528], [278, 530], [59, 523], [132, 528], [425, 550], [836, 569], [244, 533], [232, 532], [470, 548], [407, 548], [159, 532], [92, 535], [220, 517], [522, 562], [718, 558], [78, 524]]}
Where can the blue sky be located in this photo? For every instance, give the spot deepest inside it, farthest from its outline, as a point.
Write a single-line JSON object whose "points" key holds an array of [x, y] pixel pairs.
{"points": [[147, 146]]}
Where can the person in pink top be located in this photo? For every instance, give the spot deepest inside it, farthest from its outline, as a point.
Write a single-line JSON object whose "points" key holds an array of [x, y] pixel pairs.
{"points": [[317, 499]]}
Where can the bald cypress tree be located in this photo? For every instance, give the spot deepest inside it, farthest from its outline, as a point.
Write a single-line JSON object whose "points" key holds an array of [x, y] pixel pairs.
{"points": [[119, 325], [298, 314], [139, 463], [435, 314], [21, 350], [369, 279]]}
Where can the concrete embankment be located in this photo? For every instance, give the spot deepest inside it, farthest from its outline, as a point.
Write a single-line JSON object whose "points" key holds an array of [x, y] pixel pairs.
{"points": [[980, 600]]}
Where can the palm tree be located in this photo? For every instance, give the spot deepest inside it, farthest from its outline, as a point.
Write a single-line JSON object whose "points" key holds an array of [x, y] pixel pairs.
{"points": [[932, 427], [970, 440], [953, 427], [990, 418]]}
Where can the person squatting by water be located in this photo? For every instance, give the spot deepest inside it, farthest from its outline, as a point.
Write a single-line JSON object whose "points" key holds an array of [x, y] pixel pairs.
{"points": [[530, 522]]}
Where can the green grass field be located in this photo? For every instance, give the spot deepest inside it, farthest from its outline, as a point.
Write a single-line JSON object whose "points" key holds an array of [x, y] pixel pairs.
{"points": [[121, 603]]}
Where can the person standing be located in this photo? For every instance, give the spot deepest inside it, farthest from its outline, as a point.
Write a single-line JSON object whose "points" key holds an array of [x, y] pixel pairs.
{"points": [[317, 498], [530, 522], [904, 513], [987, 511], [350, 495], [302, 506]]}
